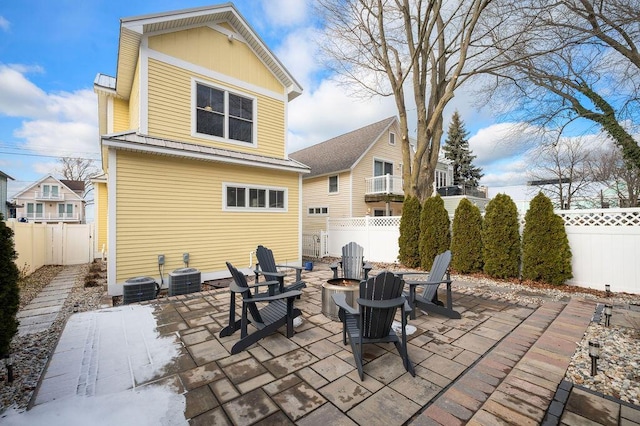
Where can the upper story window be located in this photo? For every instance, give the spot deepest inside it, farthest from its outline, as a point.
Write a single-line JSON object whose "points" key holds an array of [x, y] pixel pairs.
{"points": [[392, 138], [333, 184], [223, 114], [50, 191], [240, 197]]}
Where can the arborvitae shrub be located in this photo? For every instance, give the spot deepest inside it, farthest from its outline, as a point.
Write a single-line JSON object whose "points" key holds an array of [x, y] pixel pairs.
{"points": [[501, 238], [409, 240], [9, 291], [546, 254], [466, 242], [435, 236]]}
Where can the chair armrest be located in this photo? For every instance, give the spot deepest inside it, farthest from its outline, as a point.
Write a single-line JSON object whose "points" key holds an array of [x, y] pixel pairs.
{"points": [[285, 295], [367, 266], [382, 304], [340, 299], [263, 283], [299, 268], [271, 274], [407, 308]]}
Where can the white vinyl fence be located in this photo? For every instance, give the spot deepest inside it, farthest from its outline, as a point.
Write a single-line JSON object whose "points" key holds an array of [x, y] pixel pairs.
{"points": [[315, 244], [605, 244], [39, 244]]}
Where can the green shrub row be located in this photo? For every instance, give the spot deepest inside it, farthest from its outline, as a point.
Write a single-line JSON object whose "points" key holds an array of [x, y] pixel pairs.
{"points": [[493, 244]]}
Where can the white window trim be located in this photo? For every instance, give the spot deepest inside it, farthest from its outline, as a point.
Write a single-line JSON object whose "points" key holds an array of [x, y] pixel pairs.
{"points": [[337, 191], [248, 209], [225, 139], [394, 138], [382, 160], [318, 214]]}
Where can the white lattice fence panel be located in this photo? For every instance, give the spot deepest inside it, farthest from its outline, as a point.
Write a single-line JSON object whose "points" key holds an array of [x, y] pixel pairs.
{"points": [[601, 217]]}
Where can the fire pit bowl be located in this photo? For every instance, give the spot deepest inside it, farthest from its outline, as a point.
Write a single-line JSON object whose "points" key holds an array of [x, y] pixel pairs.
{"points": [[349, 286]]}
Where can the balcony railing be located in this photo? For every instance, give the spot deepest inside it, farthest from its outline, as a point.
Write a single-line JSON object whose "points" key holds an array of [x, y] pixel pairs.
{"points": [[48, 196], [387, 184], [52, 217]]}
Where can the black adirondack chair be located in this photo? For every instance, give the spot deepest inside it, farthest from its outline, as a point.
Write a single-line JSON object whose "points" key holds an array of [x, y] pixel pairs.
{"points": [[268, 268], [352, 264], [380, 297], [428, 300], [278, 310]]}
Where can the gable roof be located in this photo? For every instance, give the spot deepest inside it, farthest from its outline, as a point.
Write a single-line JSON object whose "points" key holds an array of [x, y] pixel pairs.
{"points": [[42, 180], [74, 185], [6, 175], [133, 29], [342, 152], [133, 141]]}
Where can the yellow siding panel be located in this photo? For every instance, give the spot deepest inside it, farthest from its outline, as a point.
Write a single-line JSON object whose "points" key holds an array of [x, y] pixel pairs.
{"points": [[167, 205], [170, 111], [315, 193], [235, 59], [102, 207], [120, 115]]}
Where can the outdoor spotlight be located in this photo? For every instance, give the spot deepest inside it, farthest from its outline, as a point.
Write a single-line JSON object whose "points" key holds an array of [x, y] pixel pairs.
{"points": [[607, 315], [9, 364], [594, 353], [607, 289]]}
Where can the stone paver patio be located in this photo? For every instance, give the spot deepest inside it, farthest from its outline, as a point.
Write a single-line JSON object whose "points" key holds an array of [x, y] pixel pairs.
{"points": [[500, 364]]}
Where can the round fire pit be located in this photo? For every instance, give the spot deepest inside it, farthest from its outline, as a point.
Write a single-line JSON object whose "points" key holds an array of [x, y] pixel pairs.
{"points": [[349, 286]]}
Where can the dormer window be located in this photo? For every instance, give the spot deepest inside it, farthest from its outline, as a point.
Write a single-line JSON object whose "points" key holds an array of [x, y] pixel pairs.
{"points": [[225, 115]]}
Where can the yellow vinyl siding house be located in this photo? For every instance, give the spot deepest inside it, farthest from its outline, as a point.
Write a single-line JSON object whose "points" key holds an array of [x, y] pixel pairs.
{"points": [[193, 135], [356, 174]]}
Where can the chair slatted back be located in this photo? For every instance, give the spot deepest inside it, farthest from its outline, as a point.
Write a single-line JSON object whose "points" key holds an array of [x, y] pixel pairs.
{"points": [[266, 261], [241, 281], [376, 322], [437, 273], [352, 261]]}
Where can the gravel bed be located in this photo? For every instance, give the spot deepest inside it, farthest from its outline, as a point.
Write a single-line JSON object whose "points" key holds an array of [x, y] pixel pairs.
{"points": [[618, 368], [31, 352]]}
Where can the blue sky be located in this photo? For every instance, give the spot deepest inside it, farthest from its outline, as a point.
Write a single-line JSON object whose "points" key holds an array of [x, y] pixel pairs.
{"points": [[51, 51]]}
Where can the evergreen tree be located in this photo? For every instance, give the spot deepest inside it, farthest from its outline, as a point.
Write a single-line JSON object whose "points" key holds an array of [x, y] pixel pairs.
{"points": [[456, 149], [501, 238], [409, 240], [546, 254], [466, 242], [9, 291], [435, 235]]}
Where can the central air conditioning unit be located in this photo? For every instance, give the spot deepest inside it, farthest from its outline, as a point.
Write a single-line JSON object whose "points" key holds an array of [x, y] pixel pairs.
{"points": [[183, 281], [139, 289]]}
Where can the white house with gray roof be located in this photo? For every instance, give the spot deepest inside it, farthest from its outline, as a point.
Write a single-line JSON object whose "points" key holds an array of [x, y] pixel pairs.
{"points": [[356, 174]]}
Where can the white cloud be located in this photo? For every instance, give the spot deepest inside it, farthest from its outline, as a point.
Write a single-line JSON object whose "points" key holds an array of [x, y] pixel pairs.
{"points": [[500, 141], [18, 96], [299, 53], [71, 138], [4, 24], [285, 13], [329, 112]]}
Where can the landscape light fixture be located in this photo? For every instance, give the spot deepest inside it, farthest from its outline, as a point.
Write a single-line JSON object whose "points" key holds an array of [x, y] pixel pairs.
{"points": [[607, 315], [9, 363], [594, 353], [607, 289]]}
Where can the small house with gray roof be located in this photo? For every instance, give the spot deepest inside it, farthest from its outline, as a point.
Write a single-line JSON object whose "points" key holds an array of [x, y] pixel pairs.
{"points": [[356, 174]]}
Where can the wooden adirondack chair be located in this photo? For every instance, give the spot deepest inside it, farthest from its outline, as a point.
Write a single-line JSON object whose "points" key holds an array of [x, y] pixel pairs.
{"points": [[352, 264], [268, 268], [428, 300], [278, 311], [380, 297]]}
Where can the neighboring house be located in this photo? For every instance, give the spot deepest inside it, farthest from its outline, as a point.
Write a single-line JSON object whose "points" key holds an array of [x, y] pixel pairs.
{"points": [[4, 205], [51, 200], [194, 141], [357, 174]]}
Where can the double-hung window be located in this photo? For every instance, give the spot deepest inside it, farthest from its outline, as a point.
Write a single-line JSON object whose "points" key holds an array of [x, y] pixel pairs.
{"points": [[65, 211], [333, 184], [222, 114], [253, 198]]}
